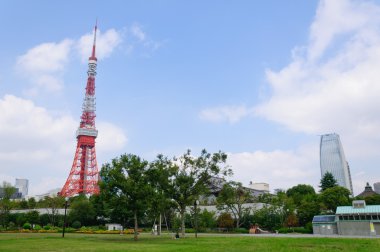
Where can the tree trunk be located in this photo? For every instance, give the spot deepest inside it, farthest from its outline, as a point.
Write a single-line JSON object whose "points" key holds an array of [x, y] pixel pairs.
{"points": [[183, 222], [136, 228], [159, 225]]}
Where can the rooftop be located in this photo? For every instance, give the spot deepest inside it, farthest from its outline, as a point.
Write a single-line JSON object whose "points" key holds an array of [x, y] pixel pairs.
{"points": [[365, 210]]}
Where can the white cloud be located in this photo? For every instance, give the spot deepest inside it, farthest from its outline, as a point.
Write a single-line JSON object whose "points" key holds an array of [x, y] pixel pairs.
{"points": [[106, 43], [40, 146], [279, 168], [335, 87], [137, 32], [110, 138], [44, 65], [46, 57], [231, 114]]}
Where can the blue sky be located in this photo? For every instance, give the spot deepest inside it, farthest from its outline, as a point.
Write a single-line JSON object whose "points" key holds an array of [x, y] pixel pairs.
{"points": [[259, 80]]}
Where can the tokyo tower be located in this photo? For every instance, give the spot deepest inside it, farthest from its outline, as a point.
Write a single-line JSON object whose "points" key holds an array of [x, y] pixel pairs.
{"points": [[84, 174]]}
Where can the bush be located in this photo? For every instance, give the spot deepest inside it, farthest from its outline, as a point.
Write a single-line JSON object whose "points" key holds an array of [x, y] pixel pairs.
{"points": [[76, 224], [27, 226], [225, 221], [241, 230], [300, 230], [47, 227], [37, 227]]}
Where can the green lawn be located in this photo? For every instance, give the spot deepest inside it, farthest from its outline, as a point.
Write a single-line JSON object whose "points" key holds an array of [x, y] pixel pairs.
{"points": [[99, 242]]}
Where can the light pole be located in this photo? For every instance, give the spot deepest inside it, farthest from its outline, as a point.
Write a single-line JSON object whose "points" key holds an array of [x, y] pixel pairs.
{"points": [[196, 203], [64, 219]]}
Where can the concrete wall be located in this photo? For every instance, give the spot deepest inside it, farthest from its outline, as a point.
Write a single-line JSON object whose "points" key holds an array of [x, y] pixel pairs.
{"points": [[325, 229], [354, 228]]}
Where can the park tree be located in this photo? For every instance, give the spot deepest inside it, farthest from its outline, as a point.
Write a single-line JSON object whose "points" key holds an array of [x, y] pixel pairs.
{"points": [[125, 181], [308, 208], [231, 198], [159, 174], [32, 203], [333, 197], [52, 204], [5, 203], [33, 217], [299, 192], [81, 210], [328, 181], [192, 177]]}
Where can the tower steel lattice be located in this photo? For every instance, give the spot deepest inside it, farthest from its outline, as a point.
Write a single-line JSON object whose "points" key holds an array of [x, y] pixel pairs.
{"points": [[84, 174]]}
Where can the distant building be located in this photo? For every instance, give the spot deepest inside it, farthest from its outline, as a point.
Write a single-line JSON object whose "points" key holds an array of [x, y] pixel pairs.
{"points": [[259, 186], [216, 185], [23, 186], [367, 192], [51, 193], [333, 160], [376, 187]]}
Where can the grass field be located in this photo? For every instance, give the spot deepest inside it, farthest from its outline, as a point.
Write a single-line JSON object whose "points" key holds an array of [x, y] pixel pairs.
{"points": [[99, 242]]}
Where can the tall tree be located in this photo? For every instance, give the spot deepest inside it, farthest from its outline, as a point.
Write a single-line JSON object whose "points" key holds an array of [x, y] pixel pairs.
{"points": [[125, 181], [82, 210], [5, 203], [52, 204], [333, 197], [231, 198], [327, 181], [192, 178], [299, 192], [159, 173]]}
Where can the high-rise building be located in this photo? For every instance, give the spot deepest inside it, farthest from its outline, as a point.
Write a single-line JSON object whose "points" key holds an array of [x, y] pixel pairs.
{"points": [[376, 187], [22, 185], [333, 160]]}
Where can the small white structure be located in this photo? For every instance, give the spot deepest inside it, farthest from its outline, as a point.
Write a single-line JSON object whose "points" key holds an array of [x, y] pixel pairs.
{"points": [[259, 186], [114, 226]]}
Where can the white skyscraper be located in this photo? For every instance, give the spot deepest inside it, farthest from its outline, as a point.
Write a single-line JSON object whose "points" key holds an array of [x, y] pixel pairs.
{"points": [[22, 185], [333, 160]]}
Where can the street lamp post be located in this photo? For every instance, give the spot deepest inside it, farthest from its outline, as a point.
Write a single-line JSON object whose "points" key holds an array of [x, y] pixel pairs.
{"points": [[196, 203], [64, 219]]}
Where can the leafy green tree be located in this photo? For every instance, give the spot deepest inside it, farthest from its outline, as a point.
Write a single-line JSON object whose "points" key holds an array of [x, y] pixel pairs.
{"points": [[231, 198], [307, 209], [101, 207], [159, 174], [333, 197], [82, 210], [373, 200], [269, 217], [52, 204], [125, 181], [23, 204], [32, 203], [327, 181], [192, 178], [299, 192], [207, 219], [5, 203], [33, 217]]}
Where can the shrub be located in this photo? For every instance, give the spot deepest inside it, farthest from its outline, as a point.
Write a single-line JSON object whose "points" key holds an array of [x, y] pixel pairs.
{"points": [[225, 221], [27, 226], [76, 224], [47, 227], [241, 230], [37, 227]]}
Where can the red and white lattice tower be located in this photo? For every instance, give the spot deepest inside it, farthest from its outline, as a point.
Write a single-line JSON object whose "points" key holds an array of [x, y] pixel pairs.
{"points": [[84, 174]]}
